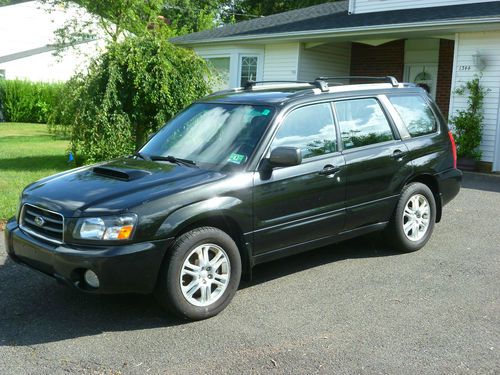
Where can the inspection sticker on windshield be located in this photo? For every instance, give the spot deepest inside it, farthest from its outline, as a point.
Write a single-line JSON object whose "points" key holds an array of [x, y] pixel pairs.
{"points": [[236, 158], [265, 112]]}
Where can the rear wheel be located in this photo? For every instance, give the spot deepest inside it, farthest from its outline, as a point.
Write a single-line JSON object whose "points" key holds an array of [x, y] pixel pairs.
{"points": [[413, 220], [202, 274]]}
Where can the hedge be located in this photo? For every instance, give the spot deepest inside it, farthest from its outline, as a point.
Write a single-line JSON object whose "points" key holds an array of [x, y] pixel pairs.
{"points": [[25, 101]]}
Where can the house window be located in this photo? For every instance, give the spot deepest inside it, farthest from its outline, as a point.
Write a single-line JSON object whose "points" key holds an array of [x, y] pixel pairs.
{"points": [[220, 67], [248, 69]]}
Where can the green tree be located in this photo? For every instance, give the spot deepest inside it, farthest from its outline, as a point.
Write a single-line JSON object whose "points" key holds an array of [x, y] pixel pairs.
{"points": [[113, 18], [239, 10], [133, 89], [186, 16]]}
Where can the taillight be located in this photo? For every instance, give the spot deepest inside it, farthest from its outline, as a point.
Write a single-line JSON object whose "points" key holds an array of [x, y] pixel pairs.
{"points": [[453, 149]]}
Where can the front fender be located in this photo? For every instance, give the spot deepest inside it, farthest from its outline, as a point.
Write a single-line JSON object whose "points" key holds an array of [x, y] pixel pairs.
{"points": [[186, 216]]}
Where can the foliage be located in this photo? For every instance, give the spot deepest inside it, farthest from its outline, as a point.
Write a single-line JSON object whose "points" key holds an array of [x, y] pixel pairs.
{"points": [[12, 2], [468, 123], [25, 101], [240, 10], [66, 107], [186, 16], [132, 89], [27, 153], [113, 18], [351, 139]]}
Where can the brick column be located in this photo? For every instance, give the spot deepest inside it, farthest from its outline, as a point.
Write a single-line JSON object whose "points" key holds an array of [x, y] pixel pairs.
{"points": [[445, 72], [384, 60]]}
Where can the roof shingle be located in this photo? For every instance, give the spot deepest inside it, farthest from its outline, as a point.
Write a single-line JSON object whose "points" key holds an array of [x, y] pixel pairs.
{"points": [[331, 16]]}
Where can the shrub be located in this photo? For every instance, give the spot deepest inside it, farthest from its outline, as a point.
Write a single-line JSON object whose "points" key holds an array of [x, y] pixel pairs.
{"points": [[66, 108], [25, 101], [468, 123], [131, 90]]}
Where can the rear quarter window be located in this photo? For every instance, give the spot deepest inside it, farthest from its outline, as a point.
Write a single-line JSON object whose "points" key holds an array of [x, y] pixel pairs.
{"points": [[415, 113]]}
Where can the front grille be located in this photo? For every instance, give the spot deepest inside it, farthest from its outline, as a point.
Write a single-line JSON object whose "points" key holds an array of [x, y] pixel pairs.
{"points": [[41, 223]]}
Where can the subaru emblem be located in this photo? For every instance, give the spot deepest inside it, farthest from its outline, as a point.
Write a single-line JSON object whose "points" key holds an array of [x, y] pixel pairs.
{"points": [[39, 221]]}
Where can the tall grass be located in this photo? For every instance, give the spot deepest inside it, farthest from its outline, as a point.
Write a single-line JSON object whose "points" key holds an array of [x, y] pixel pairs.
{"points": [[25, 101]]}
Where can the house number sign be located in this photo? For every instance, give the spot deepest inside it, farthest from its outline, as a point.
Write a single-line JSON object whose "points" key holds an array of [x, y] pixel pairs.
{"points": [[464, 68]]}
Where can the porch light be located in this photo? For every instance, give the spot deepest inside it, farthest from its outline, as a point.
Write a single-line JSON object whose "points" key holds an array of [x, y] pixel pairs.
{"points": [[478, 61]]}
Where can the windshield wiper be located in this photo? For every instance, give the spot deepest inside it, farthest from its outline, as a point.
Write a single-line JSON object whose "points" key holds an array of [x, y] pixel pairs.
{"points": [[173, 159], [142, 156]]}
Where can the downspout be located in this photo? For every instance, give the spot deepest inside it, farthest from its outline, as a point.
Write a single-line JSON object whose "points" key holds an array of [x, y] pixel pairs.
{"points": [[352, 6]]}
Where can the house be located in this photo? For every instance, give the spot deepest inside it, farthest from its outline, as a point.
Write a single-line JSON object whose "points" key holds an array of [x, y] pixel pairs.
{"points": [[442, 43], [27, 42]]}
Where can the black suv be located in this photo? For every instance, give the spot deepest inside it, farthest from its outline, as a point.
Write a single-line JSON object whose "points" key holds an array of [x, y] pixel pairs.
{"points": [[243, 177]]}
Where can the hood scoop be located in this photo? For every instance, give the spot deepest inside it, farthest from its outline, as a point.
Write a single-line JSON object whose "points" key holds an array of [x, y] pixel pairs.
{"points": [[120, 174]]}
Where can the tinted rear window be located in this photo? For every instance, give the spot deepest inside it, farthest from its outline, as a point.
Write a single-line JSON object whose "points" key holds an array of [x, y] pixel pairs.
{"points": [[415, 113], [362, 122]]}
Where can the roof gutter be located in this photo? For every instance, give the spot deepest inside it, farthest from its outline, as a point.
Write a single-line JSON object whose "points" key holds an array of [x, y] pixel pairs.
{"points": [[346, 31]]}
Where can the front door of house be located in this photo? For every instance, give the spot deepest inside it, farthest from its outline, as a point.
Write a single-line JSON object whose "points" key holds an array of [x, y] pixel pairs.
{"points": [[423, 74]]}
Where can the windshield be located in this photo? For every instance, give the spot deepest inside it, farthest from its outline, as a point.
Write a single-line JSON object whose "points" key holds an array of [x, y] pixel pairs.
{"points": [[214, 136]]}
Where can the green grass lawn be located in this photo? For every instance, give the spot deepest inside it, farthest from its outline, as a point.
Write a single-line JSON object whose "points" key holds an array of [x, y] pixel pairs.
{"points": [[27, 153]]}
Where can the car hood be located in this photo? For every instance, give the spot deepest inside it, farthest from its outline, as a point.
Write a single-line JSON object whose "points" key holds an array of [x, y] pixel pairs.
{"points": [[114, 186]]}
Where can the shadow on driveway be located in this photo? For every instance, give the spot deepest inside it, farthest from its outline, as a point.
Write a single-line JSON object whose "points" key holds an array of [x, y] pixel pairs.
{"points": [[479, 181], [35, 309]]}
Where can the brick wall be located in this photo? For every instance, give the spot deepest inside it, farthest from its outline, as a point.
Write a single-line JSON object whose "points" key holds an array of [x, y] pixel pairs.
{"points": [[384, 60], [445, 71]]}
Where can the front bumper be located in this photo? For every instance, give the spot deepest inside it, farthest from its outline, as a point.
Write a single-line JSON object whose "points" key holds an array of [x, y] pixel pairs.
{"points": [[130, 268]]}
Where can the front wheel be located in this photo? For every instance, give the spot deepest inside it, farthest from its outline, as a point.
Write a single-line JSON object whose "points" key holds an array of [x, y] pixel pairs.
{"points": [[202, 274], [413, 220]]}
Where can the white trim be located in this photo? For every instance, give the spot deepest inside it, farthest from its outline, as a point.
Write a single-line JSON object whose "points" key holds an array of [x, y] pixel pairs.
{"points": [[453, 75], [348, 31], [496, 153]]}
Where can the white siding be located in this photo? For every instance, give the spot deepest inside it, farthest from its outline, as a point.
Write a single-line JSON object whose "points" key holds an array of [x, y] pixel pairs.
{"points": [[234, 52], [281, 61], [48, 68], [486, 43], [366, 6], [28, 28], [324, 60]]}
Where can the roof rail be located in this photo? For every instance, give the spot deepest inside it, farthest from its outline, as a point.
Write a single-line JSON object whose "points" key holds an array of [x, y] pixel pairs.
{"points": [[320, 84], [389, 79]]}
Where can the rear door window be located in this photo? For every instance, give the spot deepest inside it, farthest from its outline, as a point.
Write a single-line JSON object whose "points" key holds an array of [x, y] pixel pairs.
{"points": [[362, 122], [415, 113]]}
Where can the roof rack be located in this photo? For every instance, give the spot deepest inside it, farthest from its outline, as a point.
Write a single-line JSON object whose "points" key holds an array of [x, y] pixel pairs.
{"points": [[320, 84], [388, 79]]}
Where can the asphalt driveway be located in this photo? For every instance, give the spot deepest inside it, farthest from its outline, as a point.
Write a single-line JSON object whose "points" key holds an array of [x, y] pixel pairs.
{"points": [[352, 308]]}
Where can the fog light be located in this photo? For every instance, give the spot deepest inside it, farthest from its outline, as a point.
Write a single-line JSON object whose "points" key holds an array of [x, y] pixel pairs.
{"points": [[91, 279]]}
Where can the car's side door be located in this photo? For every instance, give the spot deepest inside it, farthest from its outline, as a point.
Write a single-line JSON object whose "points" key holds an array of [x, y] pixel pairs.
{"points": [[299, 204], [377, 161]]}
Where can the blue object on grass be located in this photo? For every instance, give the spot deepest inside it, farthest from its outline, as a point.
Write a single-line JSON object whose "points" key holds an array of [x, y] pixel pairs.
{"points": [[71, 157]]}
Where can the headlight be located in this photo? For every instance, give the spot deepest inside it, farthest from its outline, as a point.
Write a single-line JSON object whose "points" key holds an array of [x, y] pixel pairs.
{"points": [[106, 228]]}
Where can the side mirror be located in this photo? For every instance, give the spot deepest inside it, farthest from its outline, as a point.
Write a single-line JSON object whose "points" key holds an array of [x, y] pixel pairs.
{"points": [[285, 157]]}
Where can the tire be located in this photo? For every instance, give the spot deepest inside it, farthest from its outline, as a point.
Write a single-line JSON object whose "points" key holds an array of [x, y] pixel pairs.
{"points": [[193, 289], [412, 224]]}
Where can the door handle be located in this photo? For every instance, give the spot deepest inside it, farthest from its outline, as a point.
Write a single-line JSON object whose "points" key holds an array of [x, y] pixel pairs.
{"points": [[329, 170], [397, 154]]}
